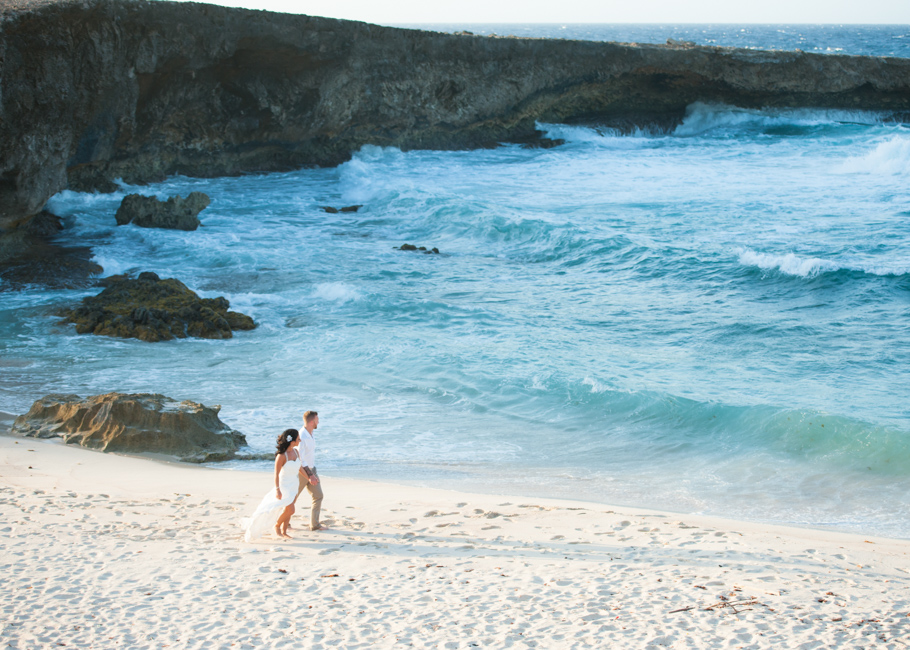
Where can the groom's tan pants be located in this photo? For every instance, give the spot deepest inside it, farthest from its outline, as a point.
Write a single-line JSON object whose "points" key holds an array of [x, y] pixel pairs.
{"points": [[316, 493]]}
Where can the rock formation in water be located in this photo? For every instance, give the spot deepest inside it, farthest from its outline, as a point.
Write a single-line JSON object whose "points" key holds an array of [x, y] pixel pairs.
{"points": [[151, 309], [133, 424], [176, 213], [95, 90], [29, 255], [412, 247], [333, 210]]}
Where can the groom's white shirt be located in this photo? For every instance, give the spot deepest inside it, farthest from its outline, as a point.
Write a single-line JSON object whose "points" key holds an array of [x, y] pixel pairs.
{"points": [[307, 448]]}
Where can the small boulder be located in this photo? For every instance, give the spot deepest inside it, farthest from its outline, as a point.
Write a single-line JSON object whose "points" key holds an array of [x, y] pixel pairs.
{"points": [[176, 213], [151, 309], [133, 423]]}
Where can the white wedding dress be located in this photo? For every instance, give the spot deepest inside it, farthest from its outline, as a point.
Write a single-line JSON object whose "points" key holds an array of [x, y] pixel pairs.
{"points": [[263, 520]]}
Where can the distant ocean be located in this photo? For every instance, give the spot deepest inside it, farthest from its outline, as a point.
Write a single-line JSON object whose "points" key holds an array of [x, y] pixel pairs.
{"points": [[714, 319], [867, 40]]}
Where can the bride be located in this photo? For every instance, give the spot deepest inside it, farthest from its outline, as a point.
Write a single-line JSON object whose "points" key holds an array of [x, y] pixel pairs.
{"points": [[277, 506]]}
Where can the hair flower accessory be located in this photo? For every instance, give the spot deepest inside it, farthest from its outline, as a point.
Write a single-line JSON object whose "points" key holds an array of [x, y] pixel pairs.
{"points": [[289, 437]]}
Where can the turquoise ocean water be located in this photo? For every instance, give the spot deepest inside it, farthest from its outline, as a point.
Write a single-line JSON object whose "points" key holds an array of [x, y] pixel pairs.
{"points": [[714, 319]]}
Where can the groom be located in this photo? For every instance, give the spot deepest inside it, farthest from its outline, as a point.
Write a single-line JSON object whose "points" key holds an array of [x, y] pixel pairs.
{"points": [[309, 479]]}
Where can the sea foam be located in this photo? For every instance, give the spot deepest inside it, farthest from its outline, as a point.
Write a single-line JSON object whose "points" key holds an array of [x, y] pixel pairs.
{"points": [[891, 157], [335, 292]]}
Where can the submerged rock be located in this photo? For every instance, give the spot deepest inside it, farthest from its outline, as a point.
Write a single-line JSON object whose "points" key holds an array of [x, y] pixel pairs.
{"points": [[151, 309], [133, 423], [423, 249], [176, 213], [349, 208]]}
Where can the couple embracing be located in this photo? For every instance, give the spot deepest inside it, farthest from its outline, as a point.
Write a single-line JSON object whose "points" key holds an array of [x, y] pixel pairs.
{"points": [[295, 471]]}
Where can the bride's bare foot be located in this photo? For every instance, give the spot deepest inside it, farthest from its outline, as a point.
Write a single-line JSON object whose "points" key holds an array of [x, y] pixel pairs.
{"points": [[281, 533]]}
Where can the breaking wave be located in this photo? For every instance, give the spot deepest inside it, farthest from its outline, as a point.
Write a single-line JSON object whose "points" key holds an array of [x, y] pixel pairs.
{"points": [[810, 267]]}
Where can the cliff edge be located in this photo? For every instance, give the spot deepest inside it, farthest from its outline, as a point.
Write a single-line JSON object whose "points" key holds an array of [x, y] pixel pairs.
{"points": [[95, 90]]}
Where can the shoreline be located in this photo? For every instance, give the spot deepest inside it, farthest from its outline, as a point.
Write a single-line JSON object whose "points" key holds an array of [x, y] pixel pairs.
{"points": [[485, 491], [103, 550]]}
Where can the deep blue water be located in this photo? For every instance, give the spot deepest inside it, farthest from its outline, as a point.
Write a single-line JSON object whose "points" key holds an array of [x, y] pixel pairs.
{"points": [[711, 320], [867, 40]]}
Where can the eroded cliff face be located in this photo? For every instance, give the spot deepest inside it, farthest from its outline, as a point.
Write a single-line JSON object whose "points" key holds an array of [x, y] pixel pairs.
{"points": [[105, 89]]}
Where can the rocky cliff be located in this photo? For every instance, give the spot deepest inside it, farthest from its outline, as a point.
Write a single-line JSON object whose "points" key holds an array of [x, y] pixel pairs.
{"points": [[94, 90]]}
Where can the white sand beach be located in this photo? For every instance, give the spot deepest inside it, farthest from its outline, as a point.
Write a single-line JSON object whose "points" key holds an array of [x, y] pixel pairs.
{"points": [[105, 551]]}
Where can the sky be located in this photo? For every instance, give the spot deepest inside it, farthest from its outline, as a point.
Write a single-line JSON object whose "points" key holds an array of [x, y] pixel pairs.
{"points": [[393, 12]]}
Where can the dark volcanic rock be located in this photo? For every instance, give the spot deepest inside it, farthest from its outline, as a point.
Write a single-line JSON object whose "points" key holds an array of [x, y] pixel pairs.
{"points": [[45, 224], [30, 255], [349, 208], [423, 249], [133, 424], [176, 213], [95, 90], [151, 309]]}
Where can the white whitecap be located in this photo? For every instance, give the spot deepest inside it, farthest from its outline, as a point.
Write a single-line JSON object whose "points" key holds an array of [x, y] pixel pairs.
{"points": [[596, 386], [788, 263], [113, 265], [335, 292], [891, 157], [365, 176], [809, 267]]}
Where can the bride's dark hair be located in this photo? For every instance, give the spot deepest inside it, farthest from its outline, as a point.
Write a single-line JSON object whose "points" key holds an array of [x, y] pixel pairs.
{"points": [[286, 438]]}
